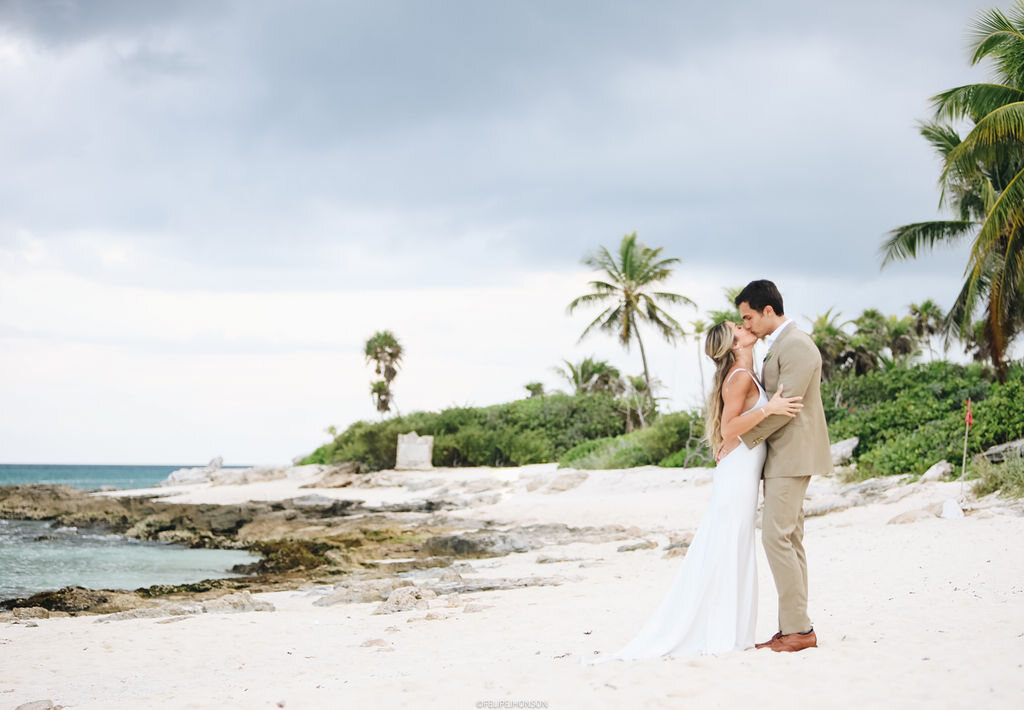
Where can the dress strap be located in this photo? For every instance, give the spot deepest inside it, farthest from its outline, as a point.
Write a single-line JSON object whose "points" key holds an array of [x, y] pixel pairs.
{"points": [[752, 376]]}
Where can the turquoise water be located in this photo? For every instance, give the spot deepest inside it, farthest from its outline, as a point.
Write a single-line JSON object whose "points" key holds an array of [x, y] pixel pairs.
{"points": [[36, 556], [86, 477]]}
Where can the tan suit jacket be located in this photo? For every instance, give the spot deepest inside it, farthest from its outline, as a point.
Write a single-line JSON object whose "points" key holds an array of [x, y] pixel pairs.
{"points": [[798, 446]]}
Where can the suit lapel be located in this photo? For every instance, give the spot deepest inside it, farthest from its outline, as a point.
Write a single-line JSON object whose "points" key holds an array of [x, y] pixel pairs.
{"points": [[770, 356]]}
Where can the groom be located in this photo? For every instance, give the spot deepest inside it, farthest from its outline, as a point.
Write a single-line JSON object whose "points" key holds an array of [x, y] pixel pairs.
{"points": [[797, 449]]}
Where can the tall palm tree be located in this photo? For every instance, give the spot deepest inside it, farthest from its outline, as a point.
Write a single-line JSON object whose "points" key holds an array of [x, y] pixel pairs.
{"points": [[629, 278], [384, 350], [699, 328], [983, 184], [928, 318]]}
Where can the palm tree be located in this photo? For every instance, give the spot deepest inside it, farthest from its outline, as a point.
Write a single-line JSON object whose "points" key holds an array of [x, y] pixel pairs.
{"points": [[589, 376], [828, 334], [384, 350], [699, 328], [730, 312], [536, 389], [983, 184], [630, 275], [638, 402], [901, 339], [381, 394], [928, 319]]}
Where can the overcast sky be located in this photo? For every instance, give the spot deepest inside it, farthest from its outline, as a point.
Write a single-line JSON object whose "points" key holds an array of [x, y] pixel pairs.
{"points": [[207, 206]]}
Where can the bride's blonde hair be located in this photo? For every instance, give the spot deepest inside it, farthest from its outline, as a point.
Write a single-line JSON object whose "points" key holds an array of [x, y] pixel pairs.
{"points": [[718, 346]]}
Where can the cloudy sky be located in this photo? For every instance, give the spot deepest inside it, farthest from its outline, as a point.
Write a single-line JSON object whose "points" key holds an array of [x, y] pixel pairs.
{"points": [[207, 206]]}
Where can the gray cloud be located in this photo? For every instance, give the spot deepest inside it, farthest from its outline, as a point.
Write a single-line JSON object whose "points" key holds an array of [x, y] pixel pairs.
{"points": [[269, 143]]}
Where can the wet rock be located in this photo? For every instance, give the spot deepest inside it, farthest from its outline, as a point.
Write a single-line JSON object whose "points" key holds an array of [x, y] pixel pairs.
{"points": [[406, 599], [79, 599]]}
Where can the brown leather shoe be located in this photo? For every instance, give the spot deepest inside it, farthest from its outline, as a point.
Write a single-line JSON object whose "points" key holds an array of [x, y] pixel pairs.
{"points": [[769, 642], [794, 642]]}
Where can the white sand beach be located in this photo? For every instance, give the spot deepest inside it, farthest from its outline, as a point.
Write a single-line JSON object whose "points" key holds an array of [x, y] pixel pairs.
{"points": [[924, 614]]}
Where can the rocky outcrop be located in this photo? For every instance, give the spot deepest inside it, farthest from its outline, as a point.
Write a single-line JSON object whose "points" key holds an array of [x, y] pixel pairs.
{"points": [[998, 454], [842, 451], [237, 603], [938, 472]]}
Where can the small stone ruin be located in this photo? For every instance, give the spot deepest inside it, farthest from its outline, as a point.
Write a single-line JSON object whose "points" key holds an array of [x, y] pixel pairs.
{"points": [[414, 452]]}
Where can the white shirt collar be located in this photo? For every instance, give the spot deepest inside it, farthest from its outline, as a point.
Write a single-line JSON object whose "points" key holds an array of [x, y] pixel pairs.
{"points": [[770, 339]]}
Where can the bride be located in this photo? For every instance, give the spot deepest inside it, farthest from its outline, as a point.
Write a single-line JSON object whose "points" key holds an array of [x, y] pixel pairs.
{"points": [[711, 606]]}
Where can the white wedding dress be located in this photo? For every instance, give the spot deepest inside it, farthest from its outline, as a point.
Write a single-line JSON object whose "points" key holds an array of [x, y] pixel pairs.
{"points": [[711, 606]]}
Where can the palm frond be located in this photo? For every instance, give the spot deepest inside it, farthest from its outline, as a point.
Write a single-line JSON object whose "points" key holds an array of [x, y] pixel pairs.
{"points": [[974, 101], [599, 321], [943, 137], [1003, 125], [905, 242]]}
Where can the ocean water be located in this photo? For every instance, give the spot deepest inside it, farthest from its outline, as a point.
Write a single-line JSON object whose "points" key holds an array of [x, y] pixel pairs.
{"points": [[88, 477], [37, 556]]}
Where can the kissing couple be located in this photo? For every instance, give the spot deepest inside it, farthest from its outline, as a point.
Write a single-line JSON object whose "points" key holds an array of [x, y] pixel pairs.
{"points": [[711, 606]]}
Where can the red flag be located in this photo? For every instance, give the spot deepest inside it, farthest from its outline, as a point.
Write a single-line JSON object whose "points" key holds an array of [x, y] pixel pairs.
{"points": [[969, 418]]}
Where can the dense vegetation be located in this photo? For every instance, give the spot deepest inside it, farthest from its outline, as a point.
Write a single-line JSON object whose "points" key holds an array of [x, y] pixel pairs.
{"points": [[673, 440], [908, 418], [526, 431]]}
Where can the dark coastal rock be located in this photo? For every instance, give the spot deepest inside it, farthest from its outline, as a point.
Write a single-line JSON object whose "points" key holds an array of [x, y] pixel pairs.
{"points": [[475, 545], [324, 507], [78, 599]]}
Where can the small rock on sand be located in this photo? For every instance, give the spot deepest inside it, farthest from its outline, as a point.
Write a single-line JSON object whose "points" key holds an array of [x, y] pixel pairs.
{"points": [[406, 599]]}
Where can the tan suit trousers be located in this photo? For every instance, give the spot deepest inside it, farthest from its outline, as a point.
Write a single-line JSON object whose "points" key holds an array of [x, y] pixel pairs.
{"points": [[782, 533]]}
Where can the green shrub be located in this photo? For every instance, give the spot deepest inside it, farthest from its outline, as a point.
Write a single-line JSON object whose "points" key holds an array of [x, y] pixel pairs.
{"points": [[526, 431], [1006, 477], [674, 439], [910, 418]]}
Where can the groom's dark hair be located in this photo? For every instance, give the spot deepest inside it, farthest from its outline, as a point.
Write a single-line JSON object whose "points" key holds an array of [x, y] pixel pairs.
{"points": [[759, 294]]}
